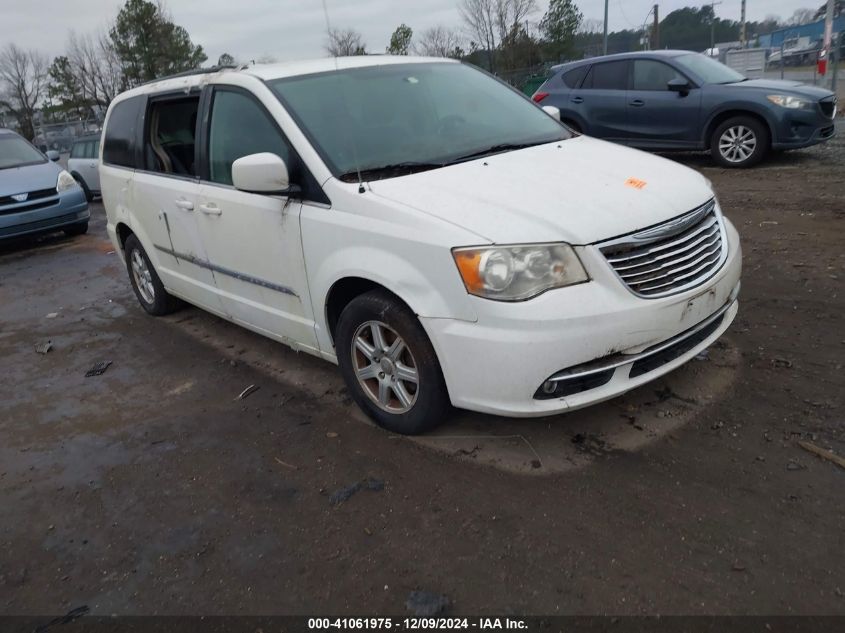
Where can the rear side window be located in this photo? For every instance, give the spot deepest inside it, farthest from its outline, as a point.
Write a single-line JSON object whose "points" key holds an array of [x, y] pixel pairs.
{"points": [[119, 148], [573, 78], [608, 76], [78, 150], [170, 138]]}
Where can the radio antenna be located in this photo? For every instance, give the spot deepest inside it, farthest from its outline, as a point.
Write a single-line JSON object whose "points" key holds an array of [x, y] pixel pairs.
{"points": [[345, 107]]}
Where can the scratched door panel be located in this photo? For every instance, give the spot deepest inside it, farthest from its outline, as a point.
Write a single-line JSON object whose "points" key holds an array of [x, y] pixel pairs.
{"points": [[166, 207]]}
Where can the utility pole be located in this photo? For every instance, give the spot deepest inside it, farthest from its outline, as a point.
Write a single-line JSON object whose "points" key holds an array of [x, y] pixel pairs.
{"points": [[713, 27], [743, 36], [655, 36], [605, 27]]}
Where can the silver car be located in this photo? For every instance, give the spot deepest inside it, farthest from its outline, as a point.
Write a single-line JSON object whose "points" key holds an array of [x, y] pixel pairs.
{"points": [[36, 194], [84, 163]]}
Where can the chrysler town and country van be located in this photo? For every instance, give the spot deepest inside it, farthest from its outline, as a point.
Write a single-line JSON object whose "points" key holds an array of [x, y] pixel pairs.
{"points": [[436, 234]]}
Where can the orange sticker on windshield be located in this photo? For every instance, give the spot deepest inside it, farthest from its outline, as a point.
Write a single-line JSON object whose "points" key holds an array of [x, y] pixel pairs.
{"points": [[635, 183]]}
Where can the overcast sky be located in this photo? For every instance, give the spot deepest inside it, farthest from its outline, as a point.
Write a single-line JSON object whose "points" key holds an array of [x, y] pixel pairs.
{"points": [[294, 29]]}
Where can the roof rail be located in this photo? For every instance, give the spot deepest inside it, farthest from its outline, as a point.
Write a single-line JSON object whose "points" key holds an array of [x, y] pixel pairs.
{"points": [[195, 71]]}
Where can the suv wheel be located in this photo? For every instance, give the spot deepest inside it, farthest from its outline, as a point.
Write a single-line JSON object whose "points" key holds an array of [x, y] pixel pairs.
{"points": [[739, 142], [145, 281], [389, 365]]}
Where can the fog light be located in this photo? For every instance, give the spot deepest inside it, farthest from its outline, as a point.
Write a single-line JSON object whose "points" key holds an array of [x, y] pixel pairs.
{"points": [[549, 387]]}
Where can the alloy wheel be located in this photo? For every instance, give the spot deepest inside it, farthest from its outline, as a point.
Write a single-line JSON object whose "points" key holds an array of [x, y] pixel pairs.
{"points": [[737, 143], [384, 366], [143, 277]]}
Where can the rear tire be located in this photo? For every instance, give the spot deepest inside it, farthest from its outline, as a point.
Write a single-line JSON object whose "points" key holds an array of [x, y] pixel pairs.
{"points": [[76, 229], [740, 142], [145, 280], [389, 364]]}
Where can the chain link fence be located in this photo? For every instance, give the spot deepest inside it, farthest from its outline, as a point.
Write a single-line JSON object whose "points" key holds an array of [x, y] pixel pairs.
{"points": [[60, 136]]}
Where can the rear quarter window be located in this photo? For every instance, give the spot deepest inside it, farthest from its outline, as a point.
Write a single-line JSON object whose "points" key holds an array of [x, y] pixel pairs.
{"points": [[121, 132], [573, 78]]}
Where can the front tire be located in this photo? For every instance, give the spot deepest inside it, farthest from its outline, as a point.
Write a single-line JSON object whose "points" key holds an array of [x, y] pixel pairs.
{"points": [[389, 364], [740, 142], [145, 280]]}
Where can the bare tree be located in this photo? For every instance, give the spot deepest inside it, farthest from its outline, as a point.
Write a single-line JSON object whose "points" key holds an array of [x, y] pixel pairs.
{"points": [[801, 16], [439, 41], [479, 18], [495, 22], [345, 42], [96, 66], [23, 80]]}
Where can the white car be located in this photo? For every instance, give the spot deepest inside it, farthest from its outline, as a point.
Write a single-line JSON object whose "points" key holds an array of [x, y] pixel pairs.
{"points": [[424, 226], [83, 164]]}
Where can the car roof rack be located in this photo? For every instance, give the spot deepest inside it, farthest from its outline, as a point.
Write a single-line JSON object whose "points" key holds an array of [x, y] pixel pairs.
{"points": [[196, 71]]}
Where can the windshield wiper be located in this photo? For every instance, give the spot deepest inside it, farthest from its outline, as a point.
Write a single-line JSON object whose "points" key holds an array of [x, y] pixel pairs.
{"points": [[393, 169], [495, 149]]}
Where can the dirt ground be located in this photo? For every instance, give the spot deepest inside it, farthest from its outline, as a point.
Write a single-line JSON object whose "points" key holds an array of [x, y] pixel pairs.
{"points": [[152, 490]]}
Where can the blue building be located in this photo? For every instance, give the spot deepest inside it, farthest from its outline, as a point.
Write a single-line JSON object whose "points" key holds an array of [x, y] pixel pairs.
{"points": [[815, 31]]}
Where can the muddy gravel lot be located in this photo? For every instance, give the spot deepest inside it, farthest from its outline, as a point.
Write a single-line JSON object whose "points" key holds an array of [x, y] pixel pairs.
{"points": [[153, 489]]}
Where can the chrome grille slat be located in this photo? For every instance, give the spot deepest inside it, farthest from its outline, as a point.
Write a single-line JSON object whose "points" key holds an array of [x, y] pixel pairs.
{"points": [[707, 237], [680, 278], [639, 253], [677, 265], [664, 260]]}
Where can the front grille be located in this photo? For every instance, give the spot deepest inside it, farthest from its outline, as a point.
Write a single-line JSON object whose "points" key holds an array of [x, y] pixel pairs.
{"points": [[30, 195], [670, 257], [828, 106], [34, 200]]}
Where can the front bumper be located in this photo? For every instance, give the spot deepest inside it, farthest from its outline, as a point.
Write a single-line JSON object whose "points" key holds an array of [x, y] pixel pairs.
{"points": [[69, 207], [497, 364], [802, 129]]}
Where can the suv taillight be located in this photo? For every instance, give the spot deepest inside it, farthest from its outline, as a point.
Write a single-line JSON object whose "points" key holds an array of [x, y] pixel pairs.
{"points": [[539, 96]]}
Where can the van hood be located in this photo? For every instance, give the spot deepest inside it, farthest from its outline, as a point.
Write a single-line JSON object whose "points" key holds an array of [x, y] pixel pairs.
{"points": [[580, 191], [28, 178]]}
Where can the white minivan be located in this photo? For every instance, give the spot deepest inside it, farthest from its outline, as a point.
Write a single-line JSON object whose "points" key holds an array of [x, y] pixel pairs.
{"points": [[423, 225]]}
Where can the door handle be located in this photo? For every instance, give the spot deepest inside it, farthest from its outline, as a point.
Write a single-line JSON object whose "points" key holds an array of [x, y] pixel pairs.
{"points": [[185, 205], [211, 209], [577, 100], [638, 103]]}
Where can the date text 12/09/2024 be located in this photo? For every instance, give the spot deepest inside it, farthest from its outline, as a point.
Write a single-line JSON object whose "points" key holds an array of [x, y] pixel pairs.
{"points": [[435, 624]]}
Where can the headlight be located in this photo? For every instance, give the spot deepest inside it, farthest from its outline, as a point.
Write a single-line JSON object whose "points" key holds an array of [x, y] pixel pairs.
{"points": [[518, 272], [787, 101], [65, 182]]}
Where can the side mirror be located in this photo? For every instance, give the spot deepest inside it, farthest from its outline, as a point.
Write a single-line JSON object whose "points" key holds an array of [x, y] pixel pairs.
{"points": [[552, 112], [261, 173], [679, 85], [53, 155]]}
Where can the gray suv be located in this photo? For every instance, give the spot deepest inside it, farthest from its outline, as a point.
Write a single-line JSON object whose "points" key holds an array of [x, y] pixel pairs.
{"points": [[678, 100]]}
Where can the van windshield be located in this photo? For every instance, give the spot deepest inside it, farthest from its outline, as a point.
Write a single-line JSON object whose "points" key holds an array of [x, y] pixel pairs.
{"points": [[394, 119], [16, 152]]}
